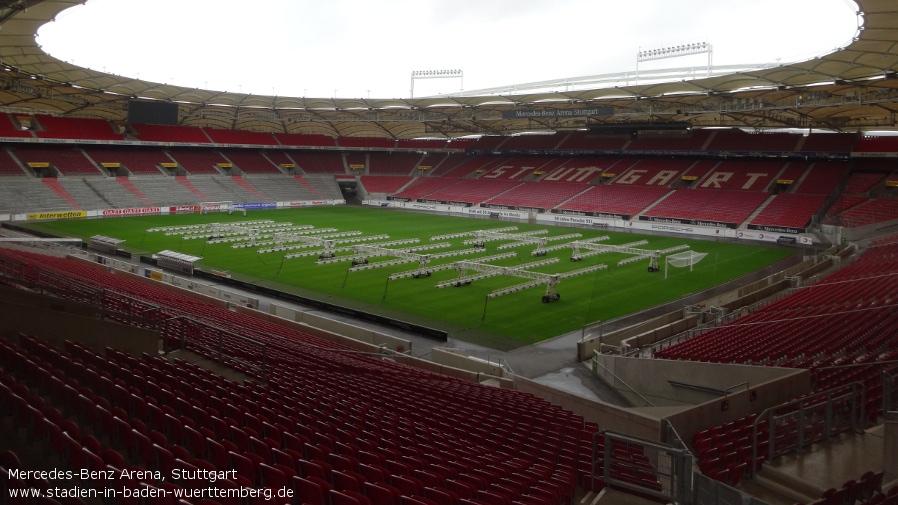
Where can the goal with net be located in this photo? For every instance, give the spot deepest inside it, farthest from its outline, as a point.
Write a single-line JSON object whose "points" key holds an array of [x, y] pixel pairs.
{"points": [[682, 260], [229, 207]]}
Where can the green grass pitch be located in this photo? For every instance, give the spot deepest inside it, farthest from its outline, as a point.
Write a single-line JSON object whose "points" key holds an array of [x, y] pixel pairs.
{"points": [[502, 323]]}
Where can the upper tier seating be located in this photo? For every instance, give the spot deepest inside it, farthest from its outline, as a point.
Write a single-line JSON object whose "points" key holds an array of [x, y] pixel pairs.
{"points": [[166, 133], [53, 127], [301, 139], [240, 137], [67, 159], [464, 166], [695, 141], [829, 142], [366, 142], [739, 140], [872, 144], [616, 199], [531, 142], [138, 160], [541, 195], [423, 144], [583, 140], [717, 205], [9, 128]]}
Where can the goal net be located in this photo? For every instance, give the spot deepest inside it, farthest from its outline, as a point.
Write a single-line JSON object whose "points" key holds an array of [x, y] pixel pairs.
{"points": [[207, 207], [682, 260]]}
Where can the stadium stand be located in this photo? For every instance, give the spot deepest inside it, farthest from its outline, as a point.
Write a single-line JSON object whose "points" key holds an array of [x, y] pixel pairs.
{"points": [[9, 166], [137, 160], [423, 186], [222, 136], [533, 142], [828, 143], [366, 142], [306, 140], [841, 320], [66, 159], [472, 190], [654, 172], [307, 421], [19, 194], [384, 184], [614, 199], [823, 178], [711, 205], [540, 195], [519, 167], [9, 127], [164, 133], [314, 162], [735, 140], [746, 175], [582, 140], [198, 161], [790, 210], [696, 141], [53, 127], [251, 161], [393, 163]]}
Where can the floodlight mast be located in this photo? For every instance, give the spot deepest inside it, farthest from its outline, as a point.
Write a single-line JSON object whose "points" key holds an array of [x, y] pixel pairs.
{"points": [[674, 52], [438, 74]]}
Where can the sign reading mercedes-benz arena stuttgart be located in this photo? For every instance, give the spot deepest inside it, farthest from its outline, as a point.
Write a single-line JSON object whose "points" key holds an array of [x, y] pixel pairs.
{"points": [[555, 113]]}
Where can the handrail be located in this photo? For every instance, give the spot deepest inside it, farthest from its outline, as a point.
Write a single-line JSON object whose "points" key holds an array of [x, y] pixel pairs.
{"points": [[596, 361], [852, 389]]}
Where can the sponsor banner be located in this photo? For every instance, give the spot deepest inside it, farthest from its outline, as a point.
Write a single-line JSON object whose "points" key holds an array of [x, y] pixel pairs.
{"points": [[130, 212], [152, 274], [5, 217], [603, 215], [256, 205], [446, 202], [777, 229], [67, 214], [512, 207], [690, 222], [306, 203], [774, 237], [398, 199], [557, 113], [856, 154], [183, 209], [576, 219], [496, 213]]}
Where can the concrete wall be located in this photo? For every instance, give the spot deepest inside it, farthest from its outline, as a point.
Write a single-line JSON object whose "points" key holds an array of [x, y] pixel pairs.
{"points": [[652, 378], [336, 327], [608, 417], [456, 359], [759, 397], [890, 450], [56, 320]]}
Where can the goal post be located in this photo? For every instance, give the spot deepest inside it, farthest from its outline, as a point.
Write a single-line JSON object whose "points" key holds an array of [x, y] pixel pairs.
{"points": [[682, 260], [224, 206]]}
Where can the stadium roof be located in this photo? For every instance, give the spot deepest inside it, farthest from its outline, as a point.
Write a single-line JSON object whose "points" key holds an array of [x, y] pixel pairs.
{"points": [[853, 88]]}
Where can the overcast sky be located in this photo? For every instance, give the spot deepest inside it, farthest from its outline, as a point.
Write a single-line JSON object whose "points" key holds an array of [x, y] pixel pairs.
{"points": [[368, 48]]}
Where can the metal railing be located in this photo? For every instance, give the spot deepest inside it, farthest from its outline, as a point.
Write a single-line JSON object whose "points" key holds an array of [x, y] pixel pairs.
{"points": [[795, 425], [890, 393], [596, 364], [643, 467]]}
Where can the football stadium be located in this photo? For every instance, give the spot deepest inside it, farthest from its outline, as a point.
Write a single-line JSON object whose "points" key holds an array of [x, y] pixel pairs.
{"points": [[674, 286]]}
